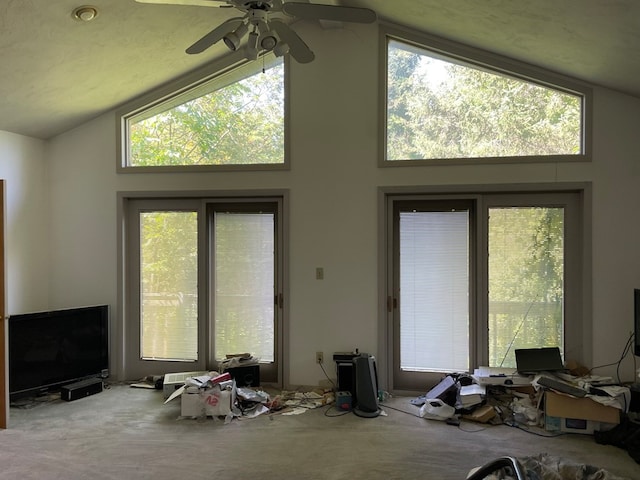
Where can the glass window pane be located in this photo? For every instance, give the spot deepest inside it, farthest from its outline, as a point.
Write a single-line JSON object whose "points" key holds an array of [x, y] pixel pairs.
{"points": [[244, 284], [169, 285], [526, 281], [434, 291], [239, 123], [438, 108]]}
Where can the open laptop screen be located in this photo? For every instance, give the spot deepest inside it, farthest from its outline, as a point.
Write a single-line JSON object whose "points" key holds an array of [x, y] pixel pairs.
{"points": [[535, 360]]}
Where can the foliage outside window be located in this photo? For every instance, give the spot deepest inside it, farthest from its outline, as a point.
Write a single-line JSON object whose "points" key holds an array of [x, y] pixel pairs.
{"points": [[443, 109], [169, 285], [526, 281], [231, 123]]}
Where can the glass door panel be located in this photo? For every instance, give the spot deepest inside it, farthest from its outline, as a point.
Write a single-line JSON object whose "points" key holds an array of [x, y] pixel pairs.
{"points": [[244, 288], [169, 285], [432, 278], [526, 281]]}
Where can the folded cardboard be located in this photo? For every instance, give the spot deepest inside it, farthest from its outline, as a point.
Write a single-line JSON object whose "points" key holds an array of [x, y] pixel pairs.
{"points": [[214, 401], [482, 414], [567, 407]]}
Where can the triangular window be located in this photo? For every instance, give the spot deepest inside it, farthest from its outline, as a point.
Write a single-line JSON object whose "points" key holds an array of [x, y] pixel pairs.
{"points": [[231, 119], [441, 107]]}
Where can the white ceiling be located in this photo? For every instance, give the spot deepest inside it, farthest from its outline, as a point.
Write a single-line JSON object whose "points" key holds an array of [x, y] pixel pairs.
{"points": [[56, 72]]}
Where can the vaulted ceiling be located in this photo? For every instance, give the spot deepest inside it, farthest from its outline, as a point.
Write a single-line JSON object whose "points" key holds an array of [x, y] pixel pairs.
{"points": [[57, 72]]}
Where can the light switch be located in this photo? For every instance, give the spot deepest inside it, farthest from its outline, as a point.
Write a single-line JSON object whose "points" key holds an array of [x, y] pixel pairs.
{"points": [[319, 273]]}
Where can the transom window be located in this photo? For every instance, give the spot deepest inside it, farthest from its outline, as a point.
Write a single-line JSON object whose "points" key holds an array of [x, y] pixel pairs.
{"points": [[445, 107], [231, 120]]}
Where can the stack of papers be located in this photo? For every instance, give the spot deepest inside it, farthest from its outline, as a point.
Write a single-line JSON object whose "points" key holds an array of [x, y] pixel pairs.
{"points": [[472, 395]]}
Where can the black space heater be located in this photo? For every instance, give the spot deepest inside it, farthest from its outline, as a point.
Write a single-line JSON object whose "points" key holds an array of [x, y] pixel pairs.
{"points": [[365, 386]]}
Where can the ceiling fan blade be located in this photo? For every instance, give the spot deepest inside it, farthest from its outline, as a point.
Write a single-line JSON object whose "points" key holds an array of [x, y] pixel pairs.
{"points": [[310, 11], [198, 3], [215, 35], [297, 48]]}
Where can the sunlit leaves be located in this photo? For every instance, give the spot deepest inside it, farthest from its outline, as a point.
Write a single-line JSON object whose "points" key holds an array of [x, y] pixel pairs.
{"points": [[438, 109], [239, 124], [526, 280], [169, 284]]}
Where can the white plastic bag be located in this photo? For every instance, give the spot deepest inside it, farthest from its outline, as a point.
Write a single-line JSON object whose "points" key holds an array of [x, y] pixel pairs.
{"points": [[436, 409]]}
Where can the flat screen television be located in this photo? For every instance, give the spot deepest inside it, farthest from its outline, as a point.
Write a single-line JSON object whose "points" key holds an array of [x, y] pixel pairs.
{"points": [[50, 349]]}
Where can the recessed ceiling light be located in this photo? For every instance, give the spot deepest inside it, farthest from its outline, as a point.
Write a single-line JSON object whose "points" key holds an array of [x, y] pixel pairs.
{"points": [[85, 13]]}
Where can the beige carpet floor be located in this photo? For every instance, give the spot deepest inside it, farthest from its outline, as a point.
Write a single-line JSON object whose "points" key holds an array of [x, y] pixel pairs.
{"points": [[128, 433]]}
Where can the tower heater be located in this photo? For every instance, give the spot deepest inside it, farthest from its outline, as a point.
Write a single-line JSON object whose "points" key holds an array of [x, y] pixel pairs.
{"points": [[365, 386]]}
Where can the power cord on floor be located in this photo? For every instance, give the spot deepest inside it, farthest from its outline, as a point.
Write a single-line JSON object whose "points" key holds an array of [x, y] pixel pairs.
{"points": [[526, 430], [326, 375], [340, 414], [457, 424], [398, 410]]}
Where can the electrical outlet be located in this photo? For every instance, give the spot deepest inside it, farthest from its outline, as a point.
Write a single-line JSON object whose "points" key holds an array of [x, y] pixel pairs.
{"points": [[319, 357]]}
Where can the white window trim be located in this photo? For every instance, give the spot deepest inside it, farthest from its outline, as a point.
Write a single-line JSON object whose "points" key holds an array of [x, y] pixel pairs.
{"points": [[452, 51], [176, 88]]}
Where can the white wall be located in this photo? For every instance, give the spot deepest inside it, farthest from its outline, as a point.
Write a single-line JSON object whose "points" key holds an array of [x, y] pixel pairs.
{"points": [[23, 167], [616, 224], [333, 183]]}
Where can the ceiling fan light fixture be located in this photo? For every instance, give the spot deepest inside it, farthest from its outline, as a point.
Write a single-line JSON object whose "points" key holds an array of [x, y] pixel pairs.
{"points": [[252, 46], [232, 40], [281, 49], [268, 42]]}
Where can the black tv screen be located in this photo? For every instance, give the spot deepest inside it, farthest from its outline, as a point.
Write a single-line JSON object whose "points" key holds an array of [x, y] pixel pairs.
{"points": [[54, 348]]}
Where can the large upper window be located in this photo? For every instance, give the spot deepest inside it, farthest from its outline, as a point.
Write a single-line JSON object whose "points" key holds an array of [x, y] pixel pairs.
{"points": [[441, 107], [231, 120]]}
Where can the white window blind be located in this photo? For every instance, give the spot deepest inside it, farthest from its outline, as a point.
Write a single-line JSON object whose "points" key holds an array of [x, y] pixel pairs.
{"points": [[434, 291], [244, 284], [169, 285]]}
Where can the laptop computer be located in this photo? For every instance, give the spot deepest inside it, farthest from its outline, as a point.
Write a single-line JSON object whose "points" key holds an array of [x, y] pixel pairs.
{"points": [[530, 361]]}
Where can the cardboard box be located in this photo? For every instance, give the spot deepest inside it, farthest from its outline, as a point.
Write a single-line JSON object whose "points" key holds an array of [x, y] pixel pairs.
{"points": [[576, 415], [212, 402], [481, 414]]}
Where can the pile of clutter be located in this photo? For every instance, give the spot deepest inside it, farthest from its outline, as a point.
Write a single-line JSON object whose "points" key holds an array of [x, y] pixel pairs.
{"points": [[216, 395], [559, 403], [456, 396]]}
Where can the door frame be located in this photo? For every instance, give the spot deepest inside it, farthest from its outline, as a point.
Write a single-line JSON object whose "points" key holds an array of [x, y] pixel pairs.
{"points": [[4, 364], [385, 250]]}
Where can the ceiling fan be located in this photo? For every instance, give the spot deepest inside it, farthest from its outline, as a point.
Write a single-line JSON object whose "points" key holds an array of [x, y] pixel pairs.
{"points": [[266, 29]]}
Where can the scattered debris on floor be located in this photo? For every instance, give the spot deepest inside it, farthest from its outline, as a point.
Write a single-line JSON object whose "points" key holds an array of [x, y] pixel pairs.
{"points": [[218, 395], [544, 467], [557, 402]]}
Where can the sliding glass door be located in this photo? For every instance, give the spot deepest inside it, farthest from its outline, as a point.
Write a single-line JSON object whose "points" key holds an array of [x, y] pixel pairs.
{"points": [[205, 282]]}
